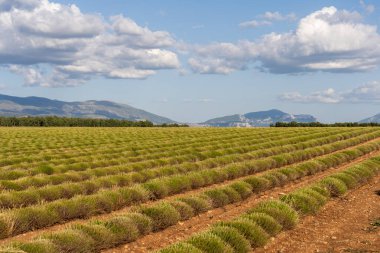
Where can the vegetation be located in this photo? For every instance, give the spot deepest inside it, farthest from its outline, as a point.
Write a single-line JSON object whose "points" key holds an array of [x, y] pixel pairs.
{"points": [[284, 214], [54, 121], [51, 176], [318, 124]]}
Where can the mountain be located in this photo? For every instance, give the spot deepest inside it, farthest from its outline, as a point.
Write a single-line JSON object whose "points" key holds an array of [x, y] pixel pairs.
{"points": [[38, 106], [262, 118], [374, 119]]}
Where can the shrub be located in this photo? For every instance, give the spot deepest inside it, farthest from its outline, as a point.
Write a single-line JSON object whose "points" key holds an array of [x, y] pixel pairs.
{"points": [[123, 229], [233, 196], [26, 219], [321, 190], [209, 243], [37, 246], [348, 180], [10, 185], [181, 247], [178, 184], [50, 193], [184, 209], [196, 180], [274, 181], [144, 223], [135, 194], [163, 215], [23, 198], [280, 211], [157, 189], [258, 184], [198, 204], [103, 237], [6, 224], [252, 232], [71, 209], [218, 197], [244, 189], [320, 198], [232, 237], [45, 169], [290, 173], [302, 202], [335, 186], [265, 221], [71, 241]]}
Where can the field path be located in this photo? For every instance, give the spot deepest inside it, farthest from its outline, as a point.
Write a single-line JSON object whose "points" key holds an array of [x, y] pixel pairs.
{"points": [[183, 230], [342, 225]]}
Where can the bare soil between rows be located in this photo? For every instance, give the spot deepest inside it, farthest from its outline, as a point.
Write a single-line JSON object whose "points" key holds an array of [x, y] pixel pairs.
{"points": [[183, 230], [246, 204], [32, 234], [343, 225]]}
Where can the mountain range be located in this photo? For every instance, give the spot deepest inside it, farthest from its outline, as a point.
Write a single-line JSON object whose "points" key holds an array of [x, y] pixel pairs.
{"points": [[259, 119], [38, 106]]}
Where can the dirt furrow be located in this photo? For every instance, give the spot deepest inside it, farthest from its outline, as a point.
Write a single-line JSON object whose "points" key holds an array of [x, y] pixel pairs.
{"points": [[33, 234], [182, 230], [342, 225]]}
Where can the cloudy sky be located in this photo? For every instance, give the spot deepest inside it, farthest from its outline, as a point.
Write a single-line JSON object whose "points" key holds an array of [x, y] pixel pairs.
{"points": [[194, 60]]}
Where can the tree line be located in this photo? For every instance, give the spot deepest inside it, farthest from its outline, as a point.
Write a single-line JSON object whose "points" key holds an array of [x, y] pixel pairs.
{"points": [[318, 124], [54, 121]]}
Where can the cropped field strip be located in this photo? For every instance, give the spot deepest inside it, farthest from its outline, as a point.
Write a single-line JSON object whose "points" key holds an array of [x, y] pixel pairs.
{"points": [[52, 176]]}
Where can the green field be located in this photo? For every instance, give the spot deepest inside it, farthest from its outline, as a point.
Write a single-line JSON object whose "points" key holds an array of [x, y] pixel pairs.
{"points": [[93, 189]]}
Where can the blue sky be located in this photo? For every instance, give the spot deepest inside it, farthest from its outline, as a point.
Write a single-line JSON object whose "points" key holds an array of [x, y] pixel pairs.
{"points": [[195, 60]]}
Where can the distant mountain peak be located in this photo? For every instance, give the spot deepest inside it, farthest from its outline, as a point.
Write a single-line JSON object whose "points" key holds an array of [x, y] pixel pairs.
{"points": [[373, 119], [259, 118], [40, 106]]}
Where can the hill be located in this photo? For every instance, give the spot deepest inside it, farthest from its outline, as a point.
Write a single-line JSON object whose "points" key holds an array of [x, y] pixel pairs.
{"points": [[38, 106], [261, 118], [373, 119]]}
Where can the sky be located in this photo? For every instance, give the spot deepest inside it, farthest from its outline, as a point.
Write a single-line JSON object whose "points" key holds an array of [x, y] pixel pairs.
{"points": [[195, 60]]}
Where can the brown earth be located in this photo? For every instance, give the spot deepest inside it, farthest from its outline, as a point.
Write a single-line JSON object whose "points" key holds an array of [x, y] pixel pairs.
{"points": [[246, 204], [343, 225], [201, 222]]}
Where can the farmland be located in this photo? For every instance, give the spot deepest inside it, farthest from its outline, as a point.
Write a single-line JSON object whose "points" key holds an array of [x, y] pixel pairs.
{"points": [[136, 189]]}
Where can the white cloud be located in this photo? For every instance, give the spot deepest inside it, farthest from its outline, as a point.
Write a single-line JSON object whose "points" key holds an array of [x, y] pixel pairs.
{"points": [[367, 93], [267, 19], [328, 96], [328, 40], [221, 58], [367, 7], [77, 46], [277, 16], [254, 23]]}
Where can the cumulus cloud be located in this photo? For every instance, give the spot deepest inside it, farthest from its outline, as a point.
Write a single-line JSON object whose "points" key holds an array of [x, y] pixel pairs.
{"points": [[328, 40], [367, 93], [52, 44], [221, 58]]}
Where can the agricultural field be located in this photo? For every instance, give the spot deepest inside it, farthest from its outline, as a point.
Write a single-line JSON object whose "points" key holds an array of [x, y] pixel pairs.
{"points": [[186, 190]]}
